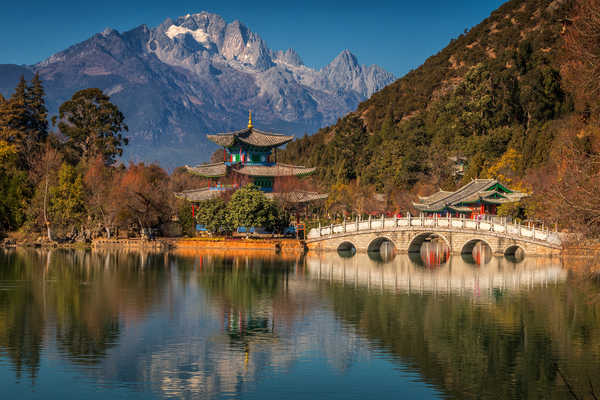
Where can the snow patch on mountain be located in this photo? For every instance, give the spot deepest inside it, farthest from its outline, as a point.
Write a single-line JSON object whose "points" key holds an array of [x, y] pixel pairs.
{"points": [[198, 35]]}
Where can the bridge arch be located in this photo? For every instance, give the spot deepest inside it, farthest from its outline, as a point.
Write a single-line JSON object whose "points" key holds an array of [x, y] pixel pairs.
{"points": [[381, 249], [346, 249], [515, 253], [415, 244], [377, 243], [473, 255], [469, 245]]}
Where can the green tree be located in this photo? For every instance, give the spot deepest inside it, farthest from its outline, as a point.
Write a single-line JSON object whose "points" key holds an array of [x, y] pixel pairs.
{"points": [[67, 204], [186, 219], [37, 118], [14, 190], [250, 207], [93, 126], [213, 214]]}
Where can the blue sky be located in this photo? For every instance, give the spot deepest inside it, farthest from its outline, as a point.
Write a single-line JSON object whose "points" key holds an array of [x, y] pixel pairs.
{"points": [[398, 35]]}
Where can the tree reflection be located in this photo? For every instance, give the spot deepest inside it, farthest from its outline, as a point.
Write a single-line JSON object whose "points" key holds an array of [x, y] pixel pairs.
{"points": [[84, 293], [22, 321], [509, 348], [498, 330], [248, 290]]}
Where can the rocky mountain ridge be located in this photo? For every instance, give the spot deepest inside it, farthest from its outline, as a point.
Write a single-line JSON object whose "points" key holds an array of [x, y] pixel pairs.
{"points": [[200, 74]]}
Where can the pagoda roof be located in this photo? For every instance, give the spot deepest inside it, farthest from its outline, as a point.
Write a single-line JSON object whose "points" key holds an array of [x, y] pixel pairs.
{"points": [[274, 170], [197, 195], [250, 136], [434, 197], [488, 190], [300, 196], [203, 194], [209, 170]]}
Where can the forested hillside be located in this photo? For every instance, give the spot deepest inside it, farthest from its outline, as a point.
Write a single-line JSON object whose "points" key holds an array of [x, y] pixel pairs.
{"points": [[493, 95]]}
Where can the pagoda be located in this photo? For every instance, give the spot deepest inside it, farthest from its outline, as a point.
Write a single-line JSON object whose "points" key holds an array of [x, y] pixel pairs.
{"points": [[477, 198], [250, 156]]}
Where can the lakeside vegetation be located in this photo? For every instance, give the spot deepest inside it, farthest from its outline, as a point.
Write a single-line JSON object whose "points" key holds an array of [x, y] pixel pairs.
{"points": [[63, 182], [517, 96]]}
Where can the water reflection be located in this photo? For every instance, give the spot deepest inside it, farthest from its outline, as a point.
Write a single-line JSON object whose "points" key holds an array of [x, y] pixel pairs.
{"points": [[455, 276], [481, 253], [216, 324], [433, 253]]}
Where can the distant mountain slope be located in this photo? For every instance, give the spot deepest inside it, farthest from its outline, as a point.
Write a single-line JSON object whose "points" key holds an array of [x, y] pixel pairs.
{"points": [[10, 74], [492, 89], [199, 74]]}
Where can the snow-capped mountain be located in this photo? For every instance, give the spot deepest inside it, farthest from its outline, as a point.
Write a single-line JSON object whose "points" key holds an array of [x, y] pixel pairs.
{"points": [[200, 74]]}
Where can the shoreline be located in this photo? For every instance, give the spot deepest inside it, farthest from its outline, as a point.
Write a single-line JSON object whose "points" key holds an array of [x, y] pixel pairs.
{"points": [[582, 260], [218, 243]]}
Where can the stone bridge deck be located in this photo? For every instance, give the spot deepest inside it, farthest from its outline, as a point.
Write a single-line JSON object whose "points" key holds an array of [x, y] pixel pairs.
{"points": [[408, 234]]}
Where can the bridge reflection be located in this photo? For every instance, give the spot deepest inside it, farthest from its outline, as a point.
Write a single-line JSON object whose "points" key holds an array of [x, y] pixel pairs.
{"points": [[423, 272]]}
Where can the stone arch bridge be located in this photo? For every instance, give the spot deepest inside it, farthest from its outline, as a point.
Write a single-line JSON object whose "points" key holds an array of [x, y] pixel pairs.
{"points": [[408, 234]]}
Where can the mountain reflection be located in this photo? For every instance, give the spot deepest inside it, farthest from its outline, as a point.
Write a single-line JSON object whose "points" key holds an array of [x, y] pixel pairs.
{"points": [[222, 324]]}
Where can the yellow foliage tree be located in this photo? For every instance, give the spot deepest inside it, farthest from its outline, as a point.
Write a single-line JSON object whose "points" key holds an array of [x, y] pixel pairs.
{"points": [[7, 150], [506, 170]]}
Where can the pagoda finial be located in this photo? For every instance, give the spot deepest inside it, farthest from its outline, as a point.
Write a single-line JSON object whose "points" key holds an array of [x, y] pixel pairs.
{"points": [[249, 119]]}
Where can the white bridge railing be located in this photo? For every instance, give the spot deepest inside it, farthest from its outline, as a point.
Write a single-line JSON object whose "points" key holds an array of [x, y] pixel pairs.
{"points": [[515, 231]]}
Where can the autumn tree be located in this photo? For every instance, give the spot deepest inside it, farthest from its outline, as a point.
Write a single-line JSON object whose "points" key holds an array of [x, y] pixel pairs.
{"points": [[142, 196], [99, 182], [181, 179], [92, 126], [44, 175], [581, 65]]}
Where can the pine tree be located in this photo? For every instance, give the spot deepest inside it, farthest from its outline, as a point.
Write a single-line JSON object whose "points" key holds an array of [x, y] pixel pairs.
{"points": [[37, 118], [13, 117]]}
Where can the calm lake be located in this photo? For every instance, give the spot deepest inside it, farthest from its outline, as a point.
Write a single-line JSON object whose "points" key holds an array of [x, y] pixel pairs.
{"points": [[122, 324]]}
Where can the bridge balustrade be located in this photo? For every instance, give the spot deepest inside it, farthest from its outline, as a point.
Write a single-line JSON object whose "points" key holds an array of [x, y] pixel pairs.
{"points": [[453, 224]]}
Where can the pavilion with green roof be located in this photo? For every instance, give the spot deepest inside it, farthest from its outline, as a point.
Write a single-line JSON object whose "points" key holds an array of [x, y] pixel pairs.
{"points": [[249, 156], [478, 197]]}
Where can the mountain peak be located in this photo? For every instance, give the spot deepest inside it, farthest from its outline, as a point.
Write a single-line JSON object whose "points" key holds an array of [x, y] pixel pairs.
{"points": [[108, 31], [198, 73], [289, 57], [345, 58], [345, 72]]}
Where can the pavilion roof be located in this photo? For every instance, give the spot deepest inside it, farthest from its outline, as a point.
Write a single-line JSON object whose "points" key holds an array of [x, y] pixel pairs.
{"points": [[274, 170], [250, 136], [209, 170], [299, 196], [477, 190], [197, 195], [434, 197]]}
